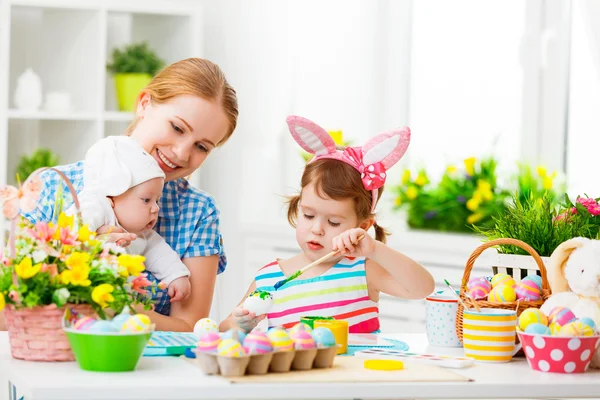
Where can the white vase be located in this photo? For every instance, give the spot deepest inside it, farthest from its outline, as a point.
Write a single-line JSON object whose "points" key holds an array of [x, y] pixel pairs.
{"points": [[28, 94]]}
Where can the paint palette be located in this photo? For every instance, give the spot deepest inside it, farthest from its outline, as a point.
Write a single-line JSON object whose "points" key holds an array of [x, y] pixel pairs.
{"points": [[170, 343], [441, 361]]}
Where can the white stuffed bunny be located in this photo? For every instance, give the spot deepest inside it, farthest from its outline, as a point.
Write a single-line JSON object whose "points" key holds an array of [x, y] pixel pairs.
{"points": [[574, 277]]}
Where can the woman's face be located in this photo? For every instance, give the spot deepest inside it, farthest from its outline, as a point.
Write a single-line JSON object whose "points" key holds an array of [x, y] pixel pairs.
{"points": [[180, 133]]}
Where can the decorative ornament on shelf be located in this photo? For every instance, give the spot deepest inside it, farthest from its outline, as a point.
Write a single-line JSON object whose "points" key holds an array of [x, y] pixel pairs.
{"points": [[28, 94]]}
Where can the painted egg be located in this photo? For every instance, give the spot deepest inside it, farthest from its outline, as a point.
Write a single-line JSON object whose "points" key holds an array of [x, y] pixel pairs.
{"points": [[537, 329], [303, 340], [561, 316], [479, 288], [205, 325], [535, 278], [528, 290], [554, 328], [230, 348], [208, 342], [257, 342], [103, 327], [280, 339], [119, 320], [576, 328], [323, 337], [84, 323], [532, 316], [259, 302], [502, 294], [300, 325], [503, 279], [589, 322], [137, 323], [234, 333]]}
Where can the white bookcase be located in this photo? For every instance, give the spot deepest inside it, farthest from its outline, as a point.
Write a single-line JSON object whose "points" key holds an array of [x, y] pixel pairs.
{"points": [[67, 43]]}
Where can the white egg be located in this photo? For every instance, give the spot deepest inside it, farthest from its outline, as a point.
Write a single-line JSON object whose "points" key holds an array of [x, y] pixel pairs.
{"points": [[205, 325], [258, 305]]}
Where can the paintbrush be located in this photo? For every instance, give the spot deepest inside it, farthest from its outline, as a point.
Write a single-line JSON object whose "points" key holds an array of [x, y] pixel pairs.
{"points": [[309, 266], [459, 299]]}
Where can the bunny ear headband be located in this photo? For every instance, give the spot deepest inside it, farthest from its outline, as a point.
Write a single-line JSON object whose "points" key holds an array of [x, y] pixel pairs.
{"points": [[372, 160]]}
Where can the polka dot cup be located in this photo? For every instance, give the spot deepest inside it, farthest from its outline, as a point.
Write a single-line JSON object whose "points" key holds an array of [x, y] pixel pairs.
{"points": [[567, 355], [441, 320]]}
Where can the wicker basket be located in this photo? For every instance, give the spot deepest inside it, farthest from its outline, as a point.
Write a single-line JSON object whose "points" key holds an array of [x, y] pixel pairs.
{"points": [[36, 334], [519, 305]]}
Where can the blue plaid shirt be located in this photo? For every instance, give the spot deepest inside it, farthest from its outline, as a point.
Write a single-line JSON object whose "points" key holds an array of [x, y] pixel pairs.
{"points": [[188, 219]]}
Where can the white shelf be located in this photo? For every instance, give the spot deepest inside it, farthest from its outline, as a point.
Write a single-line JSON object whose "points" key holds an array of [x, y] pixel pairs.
{"points": [[51, 115], [118, 116]]}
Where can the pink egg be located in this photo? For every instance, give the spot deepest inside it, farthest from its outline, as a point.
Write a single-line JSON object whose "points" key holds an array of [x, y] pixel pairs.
{"points": [[208, 342], [84, 323], [303, 340], [561, 316], [479, 288], [528, 290], [257, 342]]}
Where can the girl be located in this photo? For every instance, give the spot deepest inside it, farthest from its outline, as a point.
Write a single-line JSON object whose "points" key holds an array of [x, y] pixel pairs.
{"points": [[185, 112], [340, 190]]}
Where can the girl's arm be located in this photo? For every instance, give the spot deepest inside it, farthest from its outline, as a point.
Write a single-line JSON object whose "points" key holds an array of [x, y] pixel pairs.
{"points": [[245, 320]]}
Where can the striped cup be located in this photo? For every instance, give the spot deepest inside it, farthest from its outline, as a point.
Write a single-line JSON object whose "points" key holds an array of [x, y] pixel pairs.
{"points": [[489, 335]]}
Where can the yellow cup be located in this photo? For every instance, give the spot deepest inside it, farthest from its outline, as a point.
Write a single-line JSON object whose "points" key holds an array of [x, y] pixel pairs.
{"points": [[339, 328], [490, 335]]}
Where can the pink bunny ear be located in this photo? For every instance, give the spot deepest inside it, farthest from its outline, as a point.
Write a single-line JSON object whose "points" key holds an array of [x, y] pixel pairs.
{"points": [[310, 136], [386, 148]]}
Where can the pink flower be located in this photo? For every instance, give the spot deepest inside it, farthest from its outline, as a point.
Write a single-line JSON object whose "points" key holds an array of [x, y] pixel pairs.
{"points": [[140, 283], [66, 237], [52, 269], [594, 210], [42, 232], [14, 295], [587, 202]]}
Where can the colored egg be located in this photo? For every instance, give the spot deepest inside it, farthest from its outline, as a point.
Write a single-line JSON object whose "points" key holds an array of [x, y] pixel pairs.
{"points": [[535, 278], [230, 348], [502, 294], [323, 337], [576, 328], [103, 327], [528, 290], [532, 316], [119, 320], [554, 328], [300, 325], [259, 302], [137, 323], [537, 329], [257, 342], [302, 340], [205, 325], [234, 333], [589, 322], [561, 316], [280, 339], [84, 323], [479, 288], [208, 342], [503, 279]]}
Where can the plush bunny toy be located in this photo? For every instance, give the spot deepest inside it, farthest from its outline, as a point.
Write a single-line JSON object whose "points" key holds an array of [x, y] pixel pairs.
{"points": [[574, 277]]}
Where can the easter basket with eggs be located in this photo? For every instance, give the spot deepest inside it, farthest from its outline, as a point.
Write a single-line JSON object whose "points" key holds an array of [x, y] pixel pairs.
{"points": [[501, 291], [50, 265]]}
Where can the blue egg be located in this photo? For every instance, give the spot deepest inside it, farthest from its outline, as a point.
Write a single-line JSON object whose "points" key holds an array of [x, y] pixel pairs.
{"points": [[119, 320], [103, 327], [323, 337], [535, 278], [537, 329], [229, 334], [589, 322]]}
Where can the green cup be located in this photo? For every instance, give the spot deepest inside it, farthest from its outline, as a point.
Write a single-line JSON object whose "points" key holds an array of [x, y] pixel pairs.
{"points": [[107, 352], [310, 321]]}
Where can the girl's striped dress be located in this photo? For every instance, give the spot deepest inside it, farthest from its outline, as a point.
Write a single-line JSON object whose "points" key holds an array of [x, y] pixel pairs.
{"points": [[340, 292]]}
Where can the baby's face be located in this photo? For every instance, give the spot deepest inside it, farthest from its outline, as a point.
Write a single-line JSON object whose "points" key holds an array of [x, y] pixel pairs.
{"points": [[137, 208]]}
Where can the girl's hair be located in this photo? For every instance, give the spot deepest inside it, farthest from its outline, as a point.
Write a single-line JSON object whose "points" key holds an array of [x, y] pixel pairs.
{"points": [[337, 180], [196, 77]]}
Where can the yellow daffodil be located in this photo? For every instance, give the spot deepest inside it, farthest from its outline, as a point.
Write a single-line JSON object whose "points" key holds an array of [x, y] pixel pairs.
{"points": [[541, 171], [26, 270], [473, 204], [451, 170], [470, 165], [65, 221], [484, 189], [2, 302], [337, 137], [102, 295], [78, 259], [398, 201], [84, 234], [76, 276], [131, 264], [406, 177], [421, 179], [412, 193], [474, 218], [547, 182]]}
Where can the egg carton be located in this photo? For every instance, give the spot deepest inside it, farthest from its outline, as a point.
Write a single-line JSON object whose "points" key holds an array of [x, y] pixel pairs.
{"points": [[260, 364]]}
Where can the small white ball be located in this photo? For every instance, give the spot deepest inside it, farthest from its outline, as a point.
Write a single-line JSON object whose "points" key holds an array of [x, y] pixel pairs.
{"points": [[259, 302], [205, 325]]}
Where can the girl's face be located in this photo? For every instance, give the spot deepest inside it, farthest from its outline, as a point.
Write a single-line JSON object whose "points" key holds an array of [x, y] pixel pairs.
{"points": [[180, 133], [137, 208], [320, 220]]}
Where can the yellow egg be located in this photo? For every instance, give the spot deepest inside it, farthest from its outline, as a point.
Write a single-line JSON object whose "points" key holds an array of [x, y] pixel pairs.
{"points": [[502, 294], [230, 348], [576, 328], [137, 323]]}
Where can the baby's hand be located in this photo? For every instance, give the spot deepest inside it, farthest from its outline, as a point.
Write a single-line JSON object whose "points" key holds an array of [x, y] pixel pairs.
{"points": [[179, 289], [245, 319], [116, 234], [349, 245]]}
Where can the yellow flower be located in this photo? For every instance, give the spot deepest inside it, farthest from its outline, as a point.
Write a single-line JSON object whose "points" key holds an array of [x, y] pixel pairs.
{"points": [[412, 193], [406, 176], [26, 270], [2, 302], [131, 264], [484, 185], [102, 295], [541, 171], [451, 170], [473, 218], [77, 276], [421, 179], [84, 234], [337, 137], [547, 182], [65, 220], [78, 259], [398, 201], [473, 204], [470, 165]]}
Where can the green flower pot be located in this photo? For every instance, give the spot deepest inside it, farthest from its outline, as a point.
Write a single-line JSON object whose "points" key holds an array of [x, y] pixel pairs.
{"points": [[128, 86], [107, 352]]}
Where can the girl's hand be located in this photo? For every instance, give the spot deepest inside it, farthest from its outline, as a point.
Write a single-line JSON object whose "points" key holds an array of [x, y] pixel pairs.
{"points": [[245, 319], [349, 245], [116, 234]]}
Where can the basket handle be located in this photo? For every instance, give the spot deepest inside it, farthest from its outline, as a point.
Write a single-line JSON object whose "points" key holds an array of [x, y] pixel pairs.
{"points": [[503, 241]]}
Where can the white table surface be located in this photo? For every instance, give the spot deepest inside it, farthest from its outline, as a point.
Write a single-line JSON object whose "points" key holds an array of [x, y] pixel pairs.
{"points": [[174, 378]]}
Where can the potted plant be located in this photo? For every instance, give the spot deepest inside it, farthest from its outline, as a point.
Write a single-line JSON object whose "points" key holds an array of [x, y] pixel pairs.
{"points": [[133, 67], [40, 158]]}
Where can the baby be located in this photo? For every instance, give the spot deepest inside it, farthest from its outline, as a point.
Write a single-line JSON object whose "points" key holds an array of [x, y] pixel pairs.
{"points": [[122, 187]]}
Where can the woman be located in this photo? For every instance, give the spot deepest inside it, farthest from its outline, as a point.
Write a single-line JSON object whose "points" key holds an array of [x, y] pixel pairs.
{"points": [[185, 112]]}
